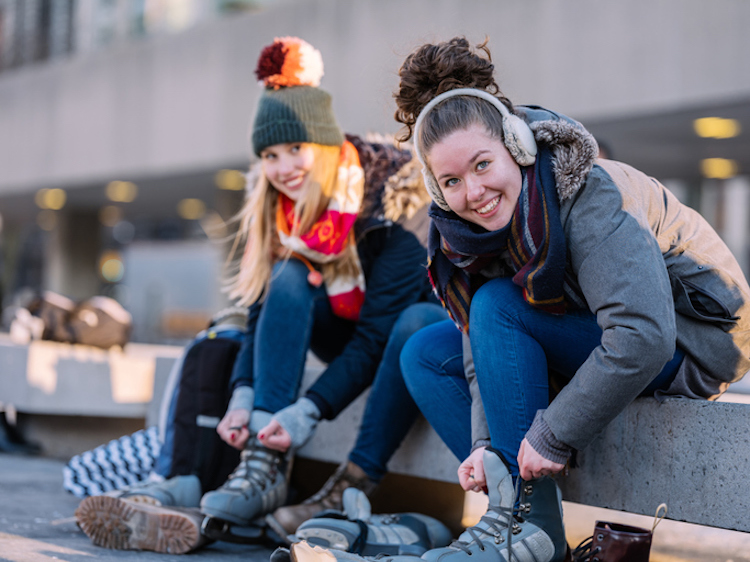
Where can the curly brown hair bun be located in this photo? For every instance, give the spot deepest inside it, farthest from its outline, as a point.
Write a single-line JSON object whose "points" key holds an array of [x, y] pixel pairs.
{"points": [[434, 69]]}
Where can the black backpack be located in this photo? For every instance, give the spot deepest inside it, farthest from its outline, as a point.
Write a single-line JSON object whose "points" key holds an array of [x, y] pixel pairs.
{"points": [[185, 440], [200, 401]]}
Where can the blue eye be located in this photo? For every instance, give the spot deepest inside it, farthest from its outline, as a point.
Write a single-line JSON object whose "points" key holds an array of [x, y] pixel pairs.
{"points": [[483, 164], [450, 182]]}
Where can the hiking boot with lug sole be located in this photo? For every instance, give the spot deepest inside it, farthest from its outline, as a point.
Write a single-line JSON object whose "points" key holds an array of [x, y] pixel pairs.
{"points": [[124, 525], [179, 491], [285, 520], [256, 487]]}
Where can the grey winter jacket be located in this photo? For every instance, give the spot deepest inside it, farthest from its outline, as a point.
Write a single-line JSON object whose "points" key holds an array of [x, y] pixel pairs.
{"points": [[655, 274]]}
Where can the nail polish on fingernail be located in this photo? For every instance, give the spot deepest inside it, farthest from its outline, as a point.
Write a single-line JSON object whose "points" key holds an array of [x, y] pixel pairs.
{"points": [[232, 436], [261, 436]]}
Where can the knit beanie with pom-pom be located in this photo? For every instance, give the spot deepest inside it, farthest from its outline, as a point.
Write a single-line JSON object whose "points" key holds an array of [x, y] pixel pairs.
{"points": [[292, 108]]}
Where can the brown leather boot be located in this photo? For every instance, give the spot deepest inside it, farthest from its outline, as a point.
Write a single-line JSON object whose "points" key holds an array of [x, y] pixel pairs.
{"points": [[285, 520], [613, 542]]}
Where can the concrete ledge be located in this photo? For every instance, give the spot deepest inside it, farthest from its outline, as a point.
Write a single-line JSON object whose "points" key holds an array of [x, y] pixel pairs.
{"points": [[54, 378], [691, 455]]}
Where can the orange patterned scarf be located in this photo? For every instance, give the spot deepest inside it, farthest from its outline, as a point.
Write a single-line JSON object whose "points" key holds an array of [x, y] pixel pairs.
{"points": [[332, 235]]}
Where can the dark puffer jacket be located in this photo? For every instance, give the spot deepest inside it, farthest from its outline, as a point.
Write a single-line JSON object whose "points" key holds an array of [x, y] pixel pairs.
{"points": [[391, 231]]}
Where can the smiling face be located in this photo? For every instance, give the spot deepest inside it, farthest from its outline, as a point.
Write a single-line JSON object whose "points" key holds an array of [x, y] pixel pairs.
{"points": [[478, 177], [287, 167]]}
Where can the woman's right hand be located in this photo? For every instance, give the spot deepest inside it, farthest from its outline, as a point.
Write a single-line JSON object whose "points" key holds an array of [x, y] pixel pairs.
{"points": [[233, 428], [471, 472]]}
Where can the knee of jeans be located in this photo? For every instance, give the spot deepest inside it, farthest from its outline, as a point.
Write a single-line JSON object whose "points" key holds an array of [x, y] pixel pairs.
{"points": [[416, 317], [496, 298], [289, 277], [411, 358]]}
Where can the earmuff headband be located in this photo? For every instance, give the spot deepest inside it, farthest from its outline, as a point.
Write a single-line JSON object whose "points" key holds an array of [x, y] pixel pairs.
{"points": [[519, 140]]}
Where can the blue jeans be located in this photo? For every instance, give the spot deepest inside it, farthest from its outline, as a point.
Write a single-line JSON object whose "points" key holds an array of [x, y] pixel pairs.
{"points": [[296, 317], [293, 317], [390, 410], [517, 349]]}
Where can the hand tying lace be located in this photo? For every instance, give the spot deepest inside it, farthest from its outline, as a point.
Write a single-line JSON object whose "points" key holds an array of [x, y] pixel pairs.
{"points": [[498, 519]]}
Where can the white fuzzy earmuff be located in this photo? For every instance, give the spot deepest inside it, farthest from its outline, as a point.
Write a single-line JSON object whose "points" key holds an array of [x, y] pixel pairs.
{"points": [[518, 137]]}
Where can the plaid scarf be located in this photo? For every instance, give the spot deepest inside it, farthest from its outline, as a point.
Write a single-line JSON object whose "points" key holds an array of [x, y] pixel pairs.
{"points": [[533, 239], [331, 235]]}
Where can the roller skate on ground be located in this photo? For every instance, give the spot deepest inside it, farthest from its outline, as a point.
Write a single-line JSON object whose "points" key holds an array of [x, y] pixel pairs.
{"points": [[285, 520], [357, 530], [235, 511]]}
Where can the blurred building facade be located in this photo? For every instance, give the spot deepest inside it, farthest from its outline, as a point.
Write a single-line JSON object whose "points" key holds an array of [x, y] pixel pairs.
{"points": [[123, 123]]}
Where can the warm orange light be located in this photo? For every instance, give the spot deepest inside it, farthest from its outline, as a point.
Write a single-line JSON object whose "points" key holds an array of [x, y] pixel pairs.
{"points": [[718, 168], [231, 180], [121, 191], [111, 267], [716, 127], [191, 209], [53, 199]]}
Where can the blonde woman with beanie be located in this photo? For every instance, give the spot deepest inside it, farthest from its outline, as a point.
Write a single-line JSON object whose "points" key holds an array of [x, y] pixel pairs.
{"points": [[333, 261]]}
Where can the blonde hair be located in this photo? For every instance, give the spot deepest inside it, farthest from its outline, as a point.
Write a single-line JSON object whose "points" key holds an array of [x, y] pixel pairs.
{"points": [[257, 229]]}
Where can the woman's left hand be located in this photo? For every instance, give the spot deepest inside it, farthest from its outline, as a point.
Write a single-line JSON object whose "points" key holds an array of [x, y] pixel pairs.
{"points": [[533, 465], [275, 437]]}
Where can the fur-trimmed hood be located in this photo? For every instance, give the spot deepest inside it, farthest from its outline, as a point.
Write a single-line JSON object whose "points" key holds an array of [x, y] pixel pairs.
{"points": [[394, 187], [574, 149], [405, 192]]}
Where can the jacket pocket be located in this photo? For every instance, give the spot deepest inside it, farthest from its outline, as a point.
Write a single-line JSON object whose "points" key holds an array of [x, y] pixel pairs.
{"points": [[697, 302]]}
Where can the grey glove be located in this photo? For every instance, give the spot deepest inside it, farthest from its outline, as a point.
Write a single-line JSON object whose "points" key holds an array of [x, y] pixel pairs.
{"points": [[242, 398], [299, 420]]}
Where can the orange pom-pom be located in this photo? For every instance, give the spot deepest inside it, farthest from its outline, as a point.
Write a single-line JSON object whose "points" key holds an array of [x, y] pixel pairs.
{"points": [[289, 61]]}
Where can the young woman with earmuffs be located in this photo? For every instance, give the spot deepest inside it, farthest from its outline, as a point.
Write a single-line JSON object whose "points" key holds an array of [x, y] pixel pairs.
{"points": [[562, 272]]}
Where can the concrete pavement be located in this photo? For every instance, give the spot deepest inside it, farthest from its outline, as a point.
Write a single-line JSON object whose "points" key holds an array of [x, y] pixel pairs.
{"points": [[37, 525]]}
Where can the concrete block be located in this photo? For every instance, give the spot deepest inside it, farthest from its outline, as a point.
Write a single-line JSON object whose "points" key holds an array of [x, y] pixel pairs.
{"points": [[691, 455], [54, 378]]}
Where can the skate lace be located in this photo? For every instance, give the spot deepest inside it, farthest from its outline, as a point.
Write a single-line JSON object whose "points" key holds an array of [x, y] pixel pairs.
{"points": [[509, 524], [258, 478]]}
